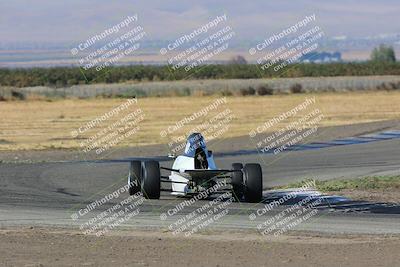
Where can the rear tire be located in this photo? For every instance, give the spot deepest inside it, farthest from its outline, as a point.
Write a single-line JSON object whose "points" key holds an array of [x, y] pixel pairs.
{"points": [[237, 181], [134, 178], [151, 179], [252, 176]]}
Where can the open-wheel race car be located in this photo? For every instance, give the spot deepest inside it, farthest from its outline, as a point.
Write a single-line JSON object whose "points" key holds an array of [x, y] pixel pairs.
{"points": [[195, 172]]}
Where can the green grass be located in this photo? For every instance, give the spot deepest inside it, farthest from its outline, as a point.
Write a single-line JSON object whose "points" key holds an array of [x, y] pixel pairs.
{"points": [[365, 183]]}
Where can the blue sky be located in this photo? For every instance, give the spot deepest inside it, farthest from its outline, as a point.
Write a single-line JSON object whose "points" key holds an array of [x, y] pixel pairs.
{"points": [[73, 20]]}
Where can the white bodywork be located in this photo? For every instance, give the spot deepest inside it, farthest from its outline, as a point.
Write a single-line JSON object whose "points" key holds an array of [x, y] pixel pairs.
{"points": [[183, 163]]}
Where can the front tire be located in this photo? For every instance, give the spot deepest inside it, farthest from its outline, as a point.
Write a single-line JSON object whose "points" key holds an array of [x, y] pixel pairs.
{"points": [[151, 179], [252, 176]]}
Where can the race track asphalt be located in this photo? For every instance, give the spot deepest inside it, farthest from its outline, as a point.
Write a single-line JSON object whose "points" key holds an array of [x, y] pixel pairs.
{"points": [[49, 193]]}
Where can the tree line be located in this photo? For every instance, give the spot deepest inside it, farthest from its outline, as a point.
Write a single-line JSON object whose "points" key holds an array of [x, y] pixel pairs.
{"points": [[69, 76]]}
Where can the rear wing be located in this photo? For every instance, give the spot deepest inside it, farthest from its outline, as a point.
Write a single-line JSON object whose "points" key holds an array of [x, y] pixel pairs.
{"points": [[201, 174]]}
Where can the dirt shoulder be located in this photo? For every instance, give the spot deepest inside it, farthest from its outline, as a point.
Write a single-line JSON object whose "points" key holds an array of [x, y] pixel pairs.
{"points": [[80, 124], [60, 247]]}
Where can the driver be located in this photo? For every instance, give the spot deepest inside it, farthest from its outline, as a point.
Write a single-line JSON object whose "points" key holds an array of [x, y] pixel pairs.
{"points": [[196, 148]]}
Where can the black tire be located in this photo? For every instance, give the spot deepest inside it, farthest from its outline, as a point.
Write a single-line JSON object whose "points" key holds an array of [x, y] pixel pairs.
{"points": [[134, 178], [237, 181], [252, 178], [151, 179]]}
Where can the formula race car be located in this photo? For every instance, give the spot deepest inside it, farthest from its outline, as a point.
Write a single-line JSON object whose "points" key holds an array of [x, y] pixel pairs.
{"points": [[195, 172]]}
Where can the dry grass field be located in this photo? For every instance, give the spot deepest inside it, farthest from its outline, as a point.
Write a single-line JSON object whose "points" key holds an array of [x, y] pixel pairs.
{"points": [[44, 124]]}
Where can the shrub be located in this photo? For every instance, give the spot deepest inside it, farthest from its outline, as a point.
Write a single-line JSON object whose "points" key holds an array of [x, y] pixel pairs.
{"points": [[265, 90], [226, 92], [186, 92], [296, 88], [247, 91], [387, 86], [18, 95], [132, 93], [251, 91], [200, 92]]}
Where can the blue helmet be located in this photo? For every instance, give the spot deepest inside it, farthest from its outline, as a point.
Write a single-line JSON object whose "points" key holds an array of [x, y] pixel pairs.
{"points": [[194, 141]]}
